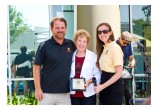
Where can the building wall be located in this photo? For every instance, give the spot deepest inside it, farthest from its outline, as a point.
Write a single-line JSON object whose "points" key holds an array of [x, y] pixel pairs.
{"points": [[89, 16]]}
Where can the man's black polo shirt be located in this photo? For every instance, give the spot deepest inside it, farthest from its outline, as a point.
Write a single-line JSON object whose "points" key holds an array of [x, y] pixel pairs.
{"points": [[55, 60]]}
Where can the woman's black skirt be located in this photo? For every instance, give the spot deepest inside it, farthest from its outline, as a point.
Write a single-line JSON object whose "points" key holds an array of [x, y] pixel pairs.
{"points": [[113, 94]]}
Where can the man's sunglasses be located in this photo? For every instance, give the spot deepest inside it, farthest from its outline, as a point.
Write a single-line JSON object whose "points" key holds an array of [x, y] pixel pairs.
{"points": [[126, 42], [103, 31]]}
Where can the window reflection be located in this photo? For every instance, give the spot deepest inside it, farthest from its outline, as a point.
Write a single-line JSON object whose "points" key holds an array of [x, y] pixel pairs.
{"points": [[27, 29], [124, 9], [30, 28], [141, 30], [66, 11]]}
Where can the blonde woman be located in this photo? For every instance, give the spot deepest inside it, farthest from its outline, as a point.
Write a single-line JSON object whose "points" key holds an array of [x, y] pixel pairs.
{"points": [[84, 66]]}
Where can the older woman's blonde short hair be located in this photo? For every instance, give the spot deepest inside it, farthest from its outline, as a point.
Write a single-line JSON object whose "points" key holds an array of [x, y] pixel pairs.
{"points": [[82, 33]]}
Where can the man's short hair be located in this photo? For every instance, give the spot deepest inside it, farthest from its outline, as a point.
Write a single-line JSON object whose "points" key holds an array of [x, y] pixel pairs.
{"points": [[58, 18], [23, 49]]}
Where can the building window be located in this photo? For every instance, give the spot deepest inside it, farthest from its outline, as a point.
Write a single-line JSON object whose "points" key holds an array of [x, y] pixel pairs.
{"points": [[124, 13], [66, 11], [26, 28], [30, 28]]}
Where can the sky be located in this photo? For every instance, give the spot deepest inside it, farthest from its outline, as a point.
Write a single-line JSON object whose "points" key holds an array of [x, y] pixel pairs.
{"points": [[35, 15], [38, 15], [137, 13]]}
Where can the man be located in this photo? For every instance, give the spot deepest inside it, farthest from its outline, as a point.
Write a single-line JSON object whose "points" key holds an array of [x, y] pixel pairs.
{"points": [[30, 66], [125, 43], [51, 70], [21, 72]]}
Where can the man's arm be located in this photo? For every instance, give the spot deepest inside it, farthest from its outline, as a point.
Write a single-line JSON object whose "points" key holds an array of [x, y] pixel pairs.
{"points": [[26, 63], [36, 75], [132, 61], [13, 69]]}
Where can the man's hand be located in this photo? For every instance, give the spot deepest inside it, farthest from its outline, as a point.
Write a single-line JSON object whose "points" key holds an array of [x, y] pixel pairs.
{"points": [[131, 64], [132, 61], [39, 94]]}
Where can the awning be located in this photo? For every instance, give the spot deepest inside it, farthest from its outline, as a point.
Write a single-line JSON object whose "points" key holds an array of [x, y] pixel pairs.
{"points": [[138, 37]]}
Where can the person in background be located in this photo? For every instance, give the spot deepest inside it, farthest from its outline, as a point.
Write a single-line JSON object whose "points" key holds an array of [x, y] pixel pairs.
{"points": [[125, 43], [84, 66], [28, 63], [21, 72], [32, 53], [30, 66], [110, 61], [52, 66]]}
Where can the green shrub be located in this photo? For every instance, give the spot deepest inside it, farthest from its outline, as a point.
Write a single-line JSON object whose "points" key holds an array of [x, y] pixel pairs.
{"points": [[22, 100]]}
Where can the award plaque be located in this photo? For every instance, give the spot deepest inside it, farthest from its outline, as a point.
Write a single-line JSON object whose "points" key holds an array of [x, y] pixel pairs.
{"points": [[77, 84]]}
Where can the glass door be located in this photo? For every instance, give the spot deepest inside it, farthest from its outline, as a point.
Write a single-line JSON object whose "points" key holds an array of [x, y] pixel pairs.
{"points": [[26, 29]]}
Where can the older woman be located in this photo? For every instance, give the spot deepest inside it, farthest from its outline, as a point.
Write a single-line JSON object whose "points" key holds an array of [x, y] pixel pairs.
{"points": [[84, 66], [110, 61]]}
